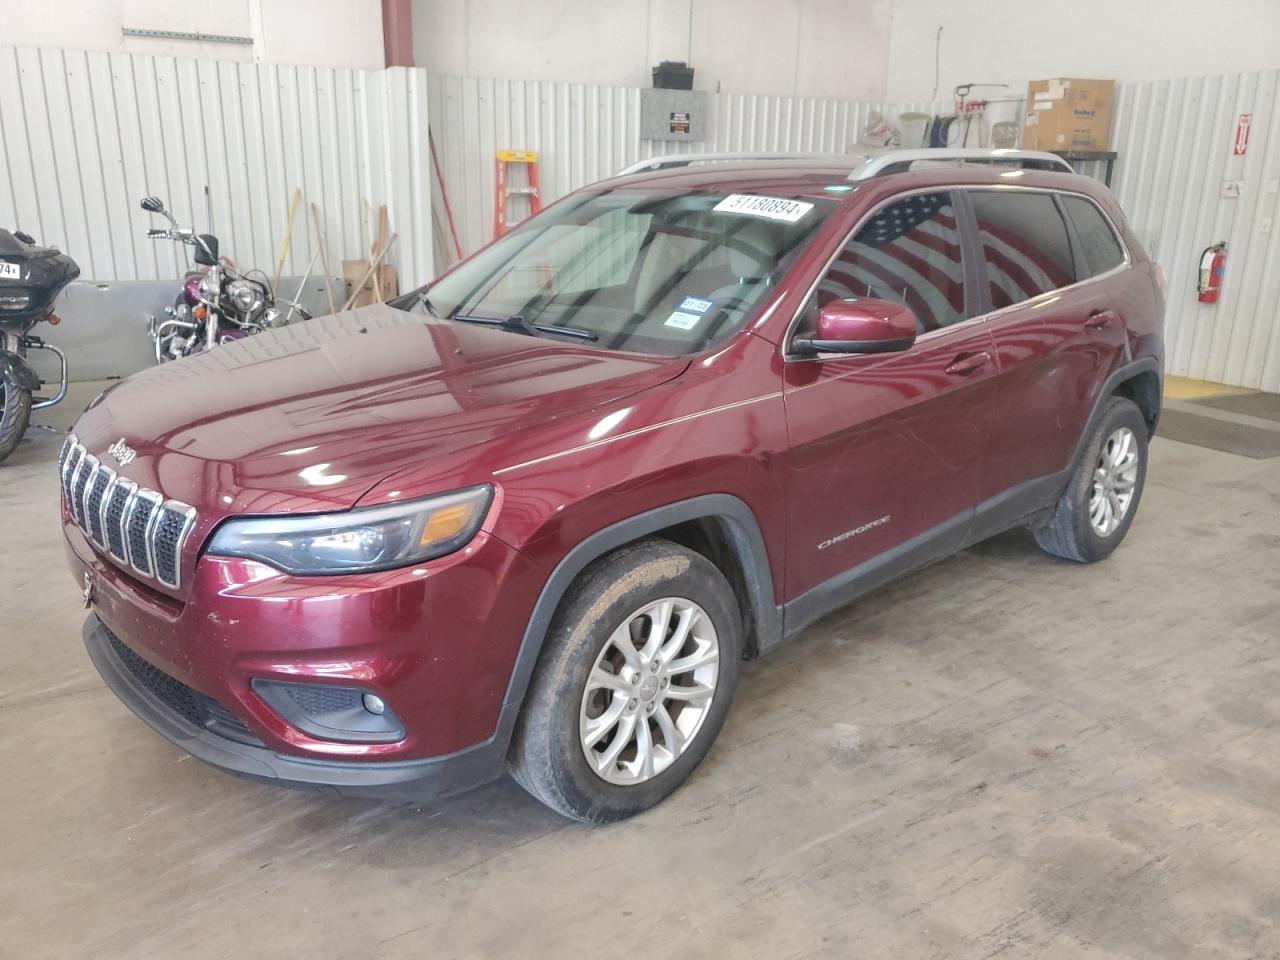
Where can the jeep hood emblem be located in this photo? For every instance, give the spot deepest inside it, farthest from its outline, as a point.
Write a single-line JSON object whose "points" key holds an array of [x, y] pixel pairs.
{"points": [[123, 453]]}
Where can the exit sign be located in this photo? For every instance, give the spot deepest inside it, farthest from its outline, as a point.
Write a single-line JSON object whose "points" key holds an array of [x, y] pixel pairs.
{"points": [[1241, 142]]}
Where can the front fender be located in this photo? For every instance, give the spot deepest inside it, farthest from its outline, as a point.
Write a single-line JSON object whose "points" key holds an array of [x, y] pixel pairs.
{"points": [[745, 539], [16, 370]]}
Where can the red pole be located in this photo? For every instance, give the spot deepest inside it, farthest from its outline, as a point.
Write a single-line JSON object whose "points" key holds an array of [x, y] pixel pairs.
{"points": [[397, 32], [444, 194]]}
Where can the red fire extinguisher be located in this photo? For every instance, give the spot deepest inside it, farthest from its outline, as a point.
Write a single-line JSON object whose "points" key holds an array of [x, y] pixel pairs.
{"points": [[1213, 263]]}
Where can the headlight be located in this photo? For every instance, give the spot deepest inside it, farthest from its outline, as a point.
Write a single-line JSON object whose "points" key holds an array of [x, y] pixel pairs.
{"points": [[358, 541], [245, 295]]}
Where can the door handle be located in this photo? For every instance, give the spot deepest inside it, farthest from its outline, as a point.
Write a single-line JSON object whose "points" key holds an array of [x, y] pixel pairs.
{"points": [[1099, 319], [967, 363]]}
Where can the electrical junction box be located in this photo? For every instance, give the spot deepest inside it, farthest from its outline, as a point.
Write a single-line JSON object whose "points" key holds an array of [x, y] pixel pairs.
{"points": [[673, 115]]}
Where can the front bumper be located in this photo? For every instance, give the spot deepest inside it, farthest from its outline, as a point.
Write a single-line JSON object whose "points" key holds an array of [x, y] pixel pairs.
{"points": [[436, 642], [212, 735]]}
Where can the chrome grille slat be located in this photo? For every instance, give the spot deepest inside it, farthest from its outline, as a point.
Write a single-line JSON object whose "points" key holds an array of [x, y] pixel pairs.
{"points": [[74, 456], [138, 530], [137, 527], [84, 478], [95, 496], [113, 513]]}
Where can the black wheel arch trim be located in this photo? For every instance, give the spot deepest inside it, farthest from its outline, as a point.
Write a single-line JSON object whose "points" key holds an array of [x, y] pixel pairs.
{"points": [[745, 540], [1121, 374], [16, 369]]}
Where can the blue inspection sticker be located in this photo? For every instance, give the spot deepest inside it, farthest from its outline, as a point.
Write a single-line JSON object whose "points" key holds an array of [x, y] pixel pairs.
{"points": [[695, 305]]}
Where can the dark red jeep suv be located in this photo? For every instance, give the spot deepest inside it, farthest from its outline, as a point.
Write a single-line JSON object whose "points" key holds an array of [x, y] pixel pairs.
{"points": [[533, 516]]}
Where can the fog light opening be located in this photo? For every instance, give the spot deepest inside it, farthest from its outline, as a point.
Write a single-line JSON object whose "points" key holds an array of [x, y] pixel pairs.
{"points": [[326, 711]]}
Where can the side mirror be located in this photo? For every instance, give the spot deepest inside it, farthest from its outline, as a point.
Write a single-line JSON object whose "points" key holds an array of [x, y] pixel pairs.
{"points": [[152, 205], [862, 325]]}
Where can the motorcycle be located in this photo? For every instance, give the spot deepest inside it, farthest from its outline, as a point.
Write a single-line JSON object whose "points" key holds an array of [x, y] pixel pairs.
{"points": [[217, 303], [31, 277]]}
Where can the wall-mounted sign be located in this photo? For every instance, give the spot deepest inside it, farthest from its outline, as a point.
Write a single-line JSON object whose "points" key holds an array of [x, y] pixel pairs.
{"points": [[1241, 143], [680, 123]]}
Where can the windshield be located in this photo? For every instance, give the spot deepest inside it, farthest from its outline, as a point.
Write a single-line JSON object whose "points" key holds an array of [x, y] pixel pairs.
{"points": [[642, 271]]}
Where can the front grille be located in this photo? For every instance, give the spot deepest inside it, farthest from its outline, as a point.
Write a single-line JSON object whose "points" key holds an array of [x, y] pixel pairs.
{"points": [[191, 705], [137, 527]]}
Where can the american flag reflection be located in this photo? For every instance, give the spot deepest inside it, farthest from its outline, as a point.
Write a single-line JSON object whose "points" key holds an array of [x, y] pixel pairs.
{"points": [[909, 253]]}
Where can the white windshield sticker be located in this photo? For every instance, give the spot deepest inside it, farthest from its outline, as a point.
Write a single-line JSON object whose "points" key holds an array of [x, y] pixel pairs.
{"points": [[771, 208], [695, 305], [682, 321]]}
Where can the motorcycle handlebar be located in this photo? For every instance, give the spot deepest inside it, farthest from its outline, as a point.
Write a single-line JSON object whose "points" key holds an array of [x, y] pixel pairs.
{"points": [[184, 234]]}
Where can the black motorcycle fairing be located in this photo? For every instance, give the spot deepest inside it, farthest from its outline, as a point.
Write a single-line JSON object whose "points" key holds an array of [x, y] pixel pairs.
{"points": [[43, 273]]}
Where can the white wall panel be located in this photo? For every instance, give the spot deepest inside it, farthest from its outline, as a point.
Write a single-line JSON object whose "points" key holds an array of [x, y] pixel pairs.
{"points": [[1174, 139], [585, 133], [85, 135]]}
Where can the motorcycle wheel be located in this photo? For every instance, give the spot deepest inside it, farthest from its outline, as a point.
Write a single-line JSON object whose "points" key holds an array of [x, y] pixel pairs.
{"points": [[15, 414]]}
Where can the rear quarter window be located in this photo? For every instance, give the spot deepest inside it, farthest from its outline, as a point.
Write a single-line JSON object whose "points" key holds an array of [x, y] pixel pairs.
{"points": [[1026, 247], [1101, 246]]}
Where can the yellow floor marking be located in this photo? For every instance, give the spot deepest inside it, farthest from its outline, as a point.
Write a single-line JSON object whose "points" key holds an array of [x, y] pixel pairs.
{"points": [[1182, 388]]}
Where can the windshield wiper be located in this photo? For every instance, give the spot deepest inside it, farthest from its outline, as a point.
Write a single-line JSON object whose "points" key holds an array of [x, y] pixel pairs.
{"points": [[518, 324]]}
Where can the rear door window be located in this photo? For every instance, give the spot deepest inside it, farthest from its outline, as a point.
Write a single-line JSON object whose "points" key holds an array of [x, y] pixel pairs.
{"points": [[1025, 244], [1101, 247], [908, 252]]}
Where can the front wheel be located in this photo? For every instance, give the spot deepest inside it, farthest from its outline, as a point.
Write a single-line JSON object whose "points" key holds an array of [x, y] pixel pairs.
{"points": [[1098, 505], [15, 414], [633, 685]]}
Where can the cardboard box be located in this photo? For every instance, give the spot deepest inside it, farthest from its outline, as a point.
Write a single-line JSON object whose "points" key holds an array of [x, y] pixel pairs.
{"points": [[354, 270], [1068, 114]]}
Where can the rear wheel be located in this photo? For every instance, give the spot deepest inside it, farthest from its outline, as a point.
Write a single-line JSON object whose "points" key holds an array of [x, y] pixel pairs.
{"points": [[1097, 508], [15, 414], [634, 683]]}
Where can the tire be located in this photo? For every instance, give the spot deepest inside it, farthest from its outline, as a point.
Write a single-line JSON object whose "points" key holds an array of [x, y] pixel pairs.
{"points": [[605, 607], [15, 414], [1082, 526]]}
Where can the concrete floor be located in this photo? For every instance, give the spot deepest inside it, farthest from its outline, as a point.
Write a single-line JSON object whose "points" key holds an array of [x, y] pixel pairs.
{"points": [[1001, 754]]}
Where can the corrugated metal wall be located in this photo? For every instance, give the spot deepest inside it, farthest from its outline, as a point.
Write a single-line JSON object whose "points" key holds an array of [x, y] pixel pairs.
{"points": [[85, 135], [585, 133], [1174, 138]]}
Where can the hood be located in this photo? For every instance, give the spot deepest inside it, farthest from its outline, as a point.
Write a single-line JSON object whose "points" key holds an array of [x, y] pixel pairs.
{"points": [[311, 416]]}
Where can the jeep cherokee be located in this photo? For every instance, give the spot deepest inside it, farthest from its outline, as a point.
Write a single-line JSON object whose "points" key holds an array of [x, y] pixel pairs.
{"points": [[532, 516]]}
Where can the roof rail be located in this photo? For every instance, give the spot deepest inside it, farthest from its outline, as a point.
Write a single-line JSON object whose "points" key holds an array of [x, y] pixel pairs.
{"points": [[865, 166], [688, 159], [899, 161]]}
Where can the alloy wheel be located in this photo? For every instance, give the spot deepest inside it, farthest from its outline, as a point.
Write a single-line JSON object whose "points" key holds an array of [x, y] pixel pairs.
{"points": [[649, 691], [1115, 477]]}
